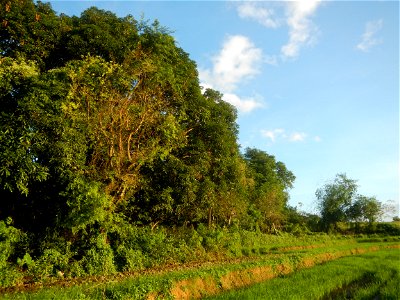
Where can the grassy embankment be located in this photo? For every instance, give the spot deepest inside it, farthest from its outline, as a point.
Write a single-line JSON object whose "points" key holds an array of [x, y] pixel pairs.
{"points": [[373, 275], [211, 278]]}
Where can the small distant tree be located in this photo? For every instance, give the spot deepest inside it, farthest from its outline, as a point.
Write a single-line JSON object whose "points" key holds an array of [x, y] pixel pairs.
{"points": [[334, 200], [365, 209], [390, 209], [372, 209]]}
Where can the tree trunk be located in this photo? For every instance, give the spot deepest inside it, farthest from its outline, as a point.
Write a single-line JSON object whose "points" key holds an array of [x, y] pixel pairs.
{"points": [[209, 217]]}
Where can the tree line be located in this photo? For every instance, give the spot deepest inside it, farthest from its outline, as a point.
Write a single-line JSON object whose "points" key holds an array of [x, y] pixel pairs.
{"points": [[103, 120], [104, 128]]}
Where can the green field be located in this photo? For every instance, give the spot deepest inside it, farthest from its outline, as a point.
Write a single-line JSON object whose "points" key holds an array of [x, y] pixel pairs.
{"points": [[367, 276], [362, 269]]}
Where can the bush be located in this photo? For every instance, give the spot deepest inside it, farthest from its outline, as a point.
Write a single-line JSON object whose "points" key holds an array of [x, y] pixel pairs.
{"points": [[9, 239], [213, 239], [387, 229], [129, 259], [50, 264], [99, 258]]}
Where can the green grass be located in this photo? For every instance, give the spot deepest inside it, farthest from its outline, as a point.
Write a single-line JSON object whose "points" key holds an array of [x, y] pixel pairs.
{"points": [[322, 279], [369, 276]]}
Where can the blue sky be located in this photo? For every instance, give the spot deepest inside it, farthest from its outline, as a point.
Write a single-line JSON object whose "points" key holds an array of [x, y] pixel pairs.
{"points": [[316, 83]]}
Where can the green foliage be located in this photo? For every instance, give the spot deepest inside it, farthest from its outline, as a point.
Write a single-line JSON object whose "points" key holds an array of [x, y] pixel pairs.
{"points": [[270, 192], [130, 259], [214, 276], [335, 198], [367, 276], [29, 30], [365, 208], [99, 260], [9, 239], [87, 204], [18, 140], [338, 202], [50, 264], [387, 229]]}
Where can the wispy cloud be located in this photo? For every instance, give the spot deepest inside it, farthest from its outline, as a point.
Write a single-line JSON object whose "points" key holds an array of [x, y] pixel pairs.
{"points": [[238, 61], [317, 138], [271, 60], [255, 10], [297, 137], [273, 134], [296, 15], [369, 39], [245, 104], [279, 134], [302, 30]]}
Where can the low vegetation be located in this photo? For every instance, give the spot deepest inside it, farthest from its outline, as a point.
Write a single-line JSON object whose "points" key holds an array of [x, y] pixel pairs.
{"points": [[372, 275], [212, 278]]}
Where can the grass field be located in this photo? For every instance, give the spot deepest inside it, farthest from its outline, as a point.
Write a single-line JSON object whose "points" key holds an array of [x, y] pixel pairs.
{"points": [[368, 276], [365, 269]]}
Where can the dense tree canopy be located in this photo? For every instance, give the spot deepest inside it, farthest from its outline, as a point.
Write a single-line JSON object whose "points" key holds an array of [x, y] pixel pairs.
{"points": [[269, 195], [103, 121]]}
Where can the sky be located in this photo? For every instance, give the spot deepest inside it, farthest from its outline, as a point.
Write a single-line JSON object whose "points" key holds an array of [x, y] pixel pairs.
{"points": [[315, 83]]}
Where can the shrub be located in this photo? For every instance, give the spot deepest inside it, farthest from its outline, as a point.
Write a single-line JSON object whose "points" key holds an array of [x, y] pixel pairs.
{"points": [[387, 229], [194, 239], [51, 263], [9, 239], [98, 259], [129, 259]]}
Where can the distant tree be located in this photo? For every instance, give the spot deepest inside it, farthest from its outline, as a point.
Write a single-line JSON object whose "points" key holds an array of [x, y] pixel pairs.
{"points": [[390, 208], [272, 181], [334, 200], [365, 209]]}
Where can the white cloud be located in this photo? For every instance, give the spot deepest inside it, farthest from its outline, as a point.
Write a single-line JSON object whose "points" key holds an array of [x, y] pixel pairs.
{"points": [[271, 60], [238, 61], [297, 137], [368, 39], [317, 139], [280, 134], [297, 16], [242, 104], [273, 134], [301, 30], [264, 16]]}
